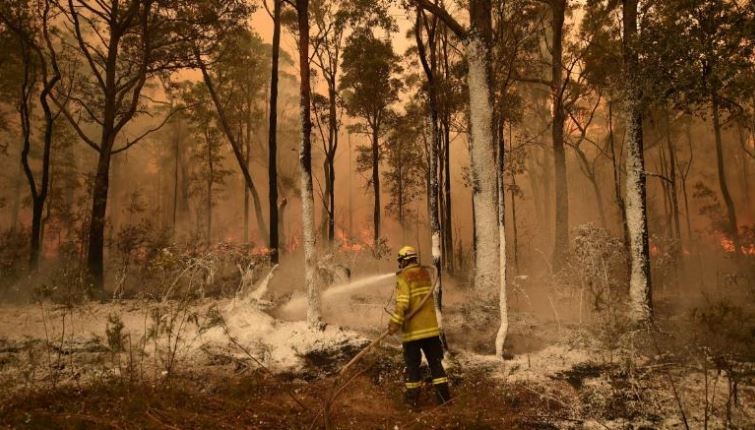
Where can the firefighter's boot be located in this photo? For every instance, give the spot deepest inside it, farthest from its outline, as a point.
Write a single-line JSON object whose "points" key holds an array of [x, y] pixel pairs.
{"points": [[442, 394], [411, 398]]}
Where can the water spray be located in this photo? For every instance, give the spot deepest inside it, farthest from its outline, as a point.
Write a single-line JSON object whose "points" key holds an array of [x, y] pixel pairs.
{"points": [[299, 303]]}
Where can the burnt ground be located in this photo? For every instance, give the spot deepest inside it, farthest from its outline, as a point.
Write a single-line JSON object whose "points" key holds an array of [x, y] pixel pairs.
{"points": [[226, 398], [561, 376]]}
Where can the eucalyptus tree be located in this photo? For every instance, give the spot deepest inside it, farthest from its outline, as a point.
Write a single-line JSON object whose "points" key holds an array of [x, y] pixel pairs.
{"points": [[707, 66], [206, 174], [123, 44], [404, 167], [370, 86], [640, 289], [314, 319], [272, 132], [331, 21], [486, 174], [239, 73]]}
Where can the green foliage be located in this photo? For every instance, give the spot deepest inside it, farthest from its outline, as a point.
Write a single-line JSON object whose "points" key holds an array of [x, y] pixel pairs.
{"points": [[695, 50], [405, 165], [369, 84]]}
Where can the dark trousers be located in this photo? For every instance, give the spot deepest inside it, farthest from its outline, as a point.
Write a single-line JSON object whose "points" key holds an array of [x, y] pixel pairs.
{"points": [[433, 350]]}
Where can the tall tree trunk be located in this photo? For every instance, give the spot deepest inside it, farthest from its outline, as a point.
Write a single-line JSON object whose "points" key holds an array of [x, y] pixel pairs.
{"points": [[95, 253], [745, 168], [25, 116], [490, 256], [247, 154], [400, 197], [687, 215], [731, 213], [515, 230], [176, 169], [376, 183], [500, 339], [561, 243], [331, 159], [325, 201], [599, 200], [673, 177], [272, 145], [305, 166], [15, 206], [351, 195], [210, 180], [490, 249], [234, 142], [38, 191], [282, 223], [640, 291], [433, 147], [448, 251], [615, 162]]}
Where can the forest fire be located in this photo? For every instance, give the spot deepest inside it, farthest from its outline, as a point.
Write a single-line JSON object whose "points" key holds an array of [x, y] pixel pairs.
{"points": [[727, 245], [269, 214]]}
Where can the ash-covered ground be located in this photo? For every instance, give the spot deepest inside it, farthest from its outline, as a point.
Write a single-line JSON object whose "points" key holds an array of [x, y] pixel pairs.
{"points": [[250, 361]]}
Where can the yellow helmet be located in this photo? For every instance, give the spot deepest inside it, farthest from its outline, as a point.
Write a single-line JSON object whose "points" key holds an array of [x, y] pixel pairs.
{"points": [[407, 252]]}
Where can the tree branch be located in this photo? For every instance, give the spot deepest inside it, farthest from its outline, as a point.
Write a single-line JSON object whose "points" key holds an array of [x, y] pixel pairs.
{"points": [[441, 13], [165, 120]]}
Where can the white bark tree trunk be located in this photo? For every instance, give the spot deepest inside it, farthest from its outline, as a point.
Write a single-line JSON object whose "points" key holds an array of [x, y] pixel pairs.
{"points": [[484, 182], [490, 242], [503, 329], [305, 169], [635, 197]]}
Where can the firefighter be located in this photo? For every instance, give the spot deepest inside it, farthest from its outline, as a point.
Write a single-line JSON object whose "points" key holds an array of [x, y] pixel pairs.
{"points": [[420, 334]]}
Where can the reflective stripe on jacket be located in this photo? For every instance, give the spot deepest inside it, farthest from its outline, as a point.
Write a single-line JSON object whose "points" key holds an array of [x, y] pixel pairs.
{"points": [[413, 283]]}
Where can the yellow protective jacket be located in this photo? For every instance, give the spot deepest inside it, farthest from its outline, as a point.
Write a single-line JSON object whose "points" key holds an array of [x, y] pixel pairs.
{"points": [[413, 283]]}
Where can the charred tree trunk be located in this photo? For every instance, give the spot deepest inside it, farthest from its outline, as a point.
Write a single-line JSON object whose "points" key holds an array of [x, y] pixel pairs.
{"points": [[39, 191], [247, 158], [674, 195], [683, 174], [210, 180], [433, 146], [176, 170], [235, 144], [376, 181], [561, 243], [448, 250], [331, 159], [29, 81], [95, 254], [731, 214], [272, 143]]}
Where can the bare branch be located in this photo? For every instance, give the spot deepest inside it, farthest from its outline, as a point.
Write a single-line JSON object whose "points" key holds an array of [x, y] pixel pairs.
{"points": [[131, 143]]}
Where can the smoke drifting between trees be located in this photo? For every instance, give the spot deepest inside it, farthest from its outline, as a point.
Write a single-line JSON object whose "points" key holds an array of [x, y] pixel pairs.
{"points": [[487, 136]]}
